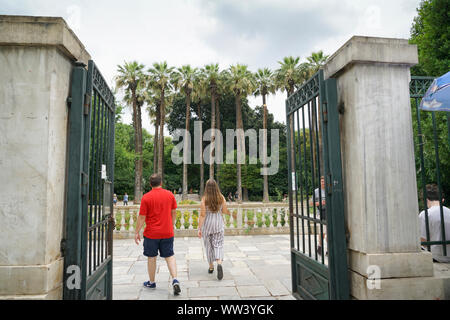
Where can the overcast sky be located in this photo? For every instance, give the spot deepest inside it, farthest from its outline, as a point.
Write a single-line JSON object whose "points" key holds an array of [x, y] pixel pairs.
{"points": [[258, 33]]}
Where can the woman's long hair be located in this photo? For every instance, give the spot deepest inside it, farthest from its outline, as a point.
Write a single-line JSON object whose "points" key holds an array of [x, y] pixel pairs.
{"points": [[213, 197]]}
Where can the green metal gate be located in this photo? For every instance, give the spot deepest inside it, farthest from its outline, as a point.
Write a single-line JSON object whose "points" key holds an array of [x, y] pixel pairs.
{"points": [[318, 272], [87, 244]]}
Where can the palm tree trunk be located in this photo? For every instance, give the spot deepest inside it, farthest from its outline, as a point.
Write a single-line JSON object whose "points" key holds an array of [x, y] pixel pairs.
{"points": [[218, 140], [137, 153], [161, 134], [155, 141], [240, 144], [266, 182], [186, 152], [213, 135], [138, 195], [202, 167]]}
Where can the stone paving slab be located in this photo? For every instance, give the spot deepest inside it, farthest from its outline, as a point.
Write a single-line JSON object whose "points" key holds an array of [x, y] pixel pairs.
{"points": [[255, 268]]}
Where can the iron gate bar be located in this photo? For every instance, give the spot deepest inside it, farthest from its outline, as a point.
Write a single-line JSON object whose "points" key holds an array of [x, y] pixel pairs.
{"points": [[422, 171], [313, 183], [337, 242], [296, 185], [300, 179], [74, 204], [318, 176], [438, 176]]}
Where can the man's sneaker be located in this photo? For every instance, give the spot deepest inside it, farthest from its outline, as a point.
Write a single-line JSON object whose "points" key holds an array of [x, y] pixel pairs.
{"points": [[176, 287], [150, 285], [219, 272]]}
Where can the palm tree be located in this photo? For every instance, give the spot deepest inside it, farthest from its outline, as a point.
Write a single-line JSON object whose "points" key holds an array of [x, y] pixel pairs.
{"points": [[289, 75], [131, 78], [265, 85], [160, 77], [316, 61], [211, 76], [185, 79], [241, 82]]}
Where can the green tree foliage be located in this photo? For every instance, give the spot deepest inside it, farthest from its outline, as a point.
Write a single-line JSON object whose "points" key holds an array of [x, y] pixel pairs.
{"points": [[431, 32]]}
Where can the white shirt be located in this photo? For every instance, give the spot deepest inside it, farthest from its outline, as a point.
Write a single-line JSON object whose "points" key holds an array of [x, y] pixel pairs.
{"points": [[434, 222]]}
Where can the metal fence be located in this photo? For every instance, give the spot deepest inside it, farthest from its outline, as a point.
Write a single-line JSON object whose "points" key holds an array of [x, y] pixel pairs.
{"points": [[432, 153]]}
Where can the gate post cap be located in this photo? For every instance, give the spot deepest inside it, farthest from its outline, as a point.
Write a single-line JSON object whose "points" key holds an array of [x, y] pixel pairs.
{"points": [[41, 32], [371, 50]]}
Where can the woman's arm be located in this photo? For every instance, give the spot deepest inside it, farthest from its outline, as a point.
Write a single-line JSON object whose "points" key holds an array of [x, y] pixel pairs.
{"points": [[201, 218], [225, 208]]}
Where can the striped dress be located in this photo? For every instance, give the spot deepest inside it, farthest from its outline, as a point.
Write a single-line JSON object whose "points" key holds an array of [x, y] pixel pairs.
{"points": [[213, 230]]}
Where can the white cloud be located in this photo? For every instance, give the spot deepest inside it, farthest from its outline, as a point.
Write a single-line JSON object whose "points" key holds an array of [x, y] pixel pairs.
{"points": [[255, 32]]}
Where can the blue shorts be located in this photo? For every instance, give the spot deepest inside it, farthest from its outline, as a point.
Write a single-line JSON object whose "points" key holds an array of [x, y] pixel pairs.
{"points": [[165, 247]]}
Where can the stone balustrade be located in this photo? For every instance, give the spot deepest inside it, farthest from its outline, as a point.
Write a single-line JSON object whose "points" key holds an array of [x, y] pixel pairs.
{"points": [[246, 218]]}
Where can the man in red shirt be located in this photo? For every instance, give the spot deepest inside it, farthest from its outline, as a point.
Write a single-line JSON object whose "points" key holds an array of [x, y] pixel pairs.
{"points": [[158, 211]]}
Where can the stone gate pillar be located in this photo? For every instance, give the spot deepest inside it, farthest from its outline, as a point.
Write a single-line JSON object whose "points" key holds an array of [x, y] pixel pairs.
{"points": [[36, 58], [381, 205]]}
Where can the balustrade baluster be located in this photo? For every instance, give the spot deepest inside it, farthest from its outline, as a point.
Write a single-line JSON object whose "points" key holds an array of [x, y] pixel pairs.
{"points": [[231, 221], [122, 220], [245, 212], [278, 217], [191, 219], [131, 222], [182, 227], [286, 218]]}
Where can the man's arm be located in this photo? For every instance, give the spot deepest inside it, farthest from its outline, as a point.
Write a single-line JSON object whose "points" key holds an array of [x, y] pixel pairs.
{"points": [[139, 225], [201, 218], [225, 208], [174, 216]]}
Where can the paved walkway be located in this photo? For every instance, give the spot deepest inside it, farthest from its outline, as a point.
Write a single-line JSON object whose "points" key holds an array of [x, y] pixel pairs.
{"points": [[255, 267]]}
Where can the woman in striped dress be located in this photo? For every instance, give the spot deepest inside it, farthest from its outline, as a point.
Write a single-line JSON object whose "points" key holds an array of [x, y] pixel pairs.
{"points": [[211, 226]]}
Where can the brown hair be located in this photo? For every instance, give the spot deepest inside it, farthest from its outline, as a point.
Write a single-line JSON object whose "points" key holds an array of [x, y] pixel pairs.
{"points": [[155, 180], [212, 196], [432, 192]]}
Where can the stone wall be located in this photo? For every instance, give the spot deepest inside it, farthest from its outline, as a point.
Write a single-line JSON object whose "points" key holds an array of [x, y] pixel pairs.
{"points": [[36, 58]]}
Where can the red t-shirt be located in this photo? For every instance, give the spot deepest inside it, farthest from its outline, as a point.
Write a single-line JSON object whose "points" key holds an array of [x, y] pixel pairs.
{"points": [[157, 206]]}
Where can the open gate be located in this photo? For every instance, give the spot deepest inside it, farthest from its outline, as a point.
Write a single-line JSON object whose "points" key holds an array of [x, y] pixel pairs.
{"points": [[87, 244], [318, 236]]}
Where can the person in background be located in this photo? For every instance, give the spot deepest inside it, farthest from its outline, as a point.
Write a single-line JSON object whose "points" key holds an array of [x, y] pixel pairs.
{"points": [[125, 199], [115, 199], [158, 212], [434, 224], [211, 226]]}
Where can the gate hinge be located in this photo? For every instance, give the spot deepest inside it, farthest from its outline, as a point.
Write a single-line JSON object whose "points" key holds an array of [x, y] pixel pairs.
{"points": [[63, 247], [84, 183], [325, 111], [69, 101], [87, 104]]}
